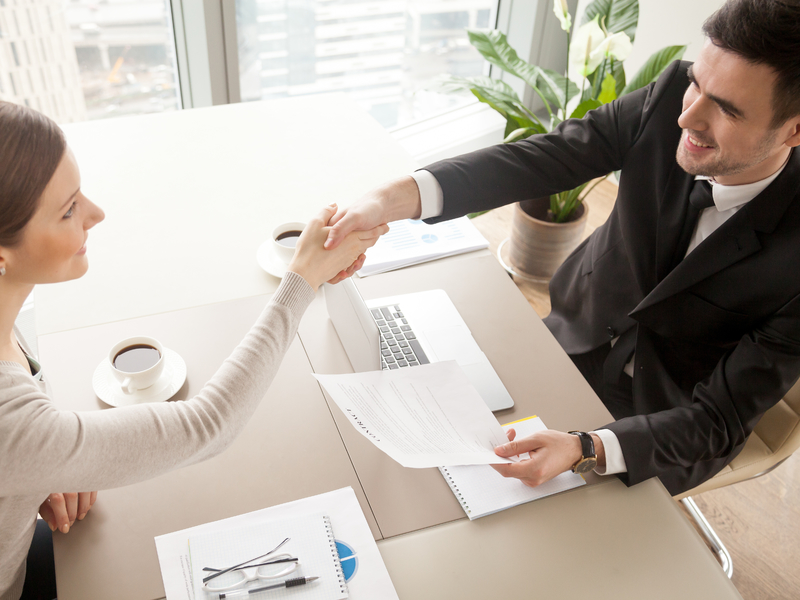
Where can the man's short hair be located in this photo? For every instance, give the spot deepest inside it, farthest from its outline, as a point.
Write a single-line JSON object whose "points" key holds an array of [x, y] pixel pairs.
{"points": [[764, 32]]}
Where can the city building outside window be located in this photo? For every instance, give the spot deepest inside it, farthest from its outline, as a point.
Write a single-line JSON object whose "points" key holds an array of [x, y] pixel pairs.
{"points": [[384, 54], [76, 59]]}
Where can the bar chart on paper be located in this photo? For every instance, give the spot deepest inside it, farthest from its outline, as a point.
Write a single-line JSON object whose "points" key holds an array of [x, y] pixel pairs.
{"points": [[412, 242]]}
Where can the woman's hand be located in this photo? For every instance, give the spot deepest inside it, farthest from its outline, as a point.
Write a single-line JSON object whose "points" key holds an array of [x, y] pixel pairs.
{"points": [[316, 265], [61, 510]]}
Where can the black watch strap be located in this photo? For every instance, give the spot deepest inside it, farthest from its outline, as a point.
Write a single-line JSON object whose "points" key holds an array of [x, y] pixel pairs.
{"points": [[587, 444]]}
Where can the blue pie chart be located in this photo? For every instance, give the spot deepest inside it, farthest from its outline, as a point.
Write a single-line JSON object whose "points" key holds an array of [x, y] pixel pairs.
{"points": [[429, 238], [348, 558]]}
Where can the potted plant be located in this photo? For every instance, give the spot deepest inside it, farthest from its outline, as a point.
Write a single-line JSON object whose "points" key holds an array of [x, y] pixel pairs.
{"points": [[546, 230]]}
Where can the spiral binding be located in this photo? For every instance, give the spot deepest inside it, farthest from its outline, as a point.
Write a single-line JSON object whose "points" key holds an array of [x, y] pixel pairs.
{"points": [[335, 555], [457, 492]]}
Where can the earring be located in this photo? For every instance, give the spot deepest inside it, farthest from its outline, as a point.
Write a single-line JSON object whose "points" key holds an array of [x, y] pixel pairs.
{"points": [[2, 271]]}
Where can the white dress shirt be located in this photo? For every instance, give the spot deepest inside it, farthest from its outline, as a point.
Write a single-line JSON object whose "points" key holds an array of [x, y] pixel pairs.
{"points": [[728, 199]]}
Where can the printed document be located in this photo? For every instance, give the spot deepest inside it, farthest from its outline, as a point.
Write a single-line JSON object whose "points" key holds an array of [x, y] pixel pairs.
{"points": [[412, 242], [425, 416]]}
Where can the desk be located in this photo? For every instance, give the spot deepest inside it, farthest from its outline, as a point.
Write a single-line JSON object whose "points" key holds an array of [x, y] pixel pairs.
{"points": [[194, 241], [112, 554]]}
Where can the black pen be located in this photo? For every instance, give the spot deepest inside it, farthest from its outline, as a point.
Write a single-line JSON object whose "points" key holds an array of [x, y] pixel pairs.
{"points": [[287, 583]]}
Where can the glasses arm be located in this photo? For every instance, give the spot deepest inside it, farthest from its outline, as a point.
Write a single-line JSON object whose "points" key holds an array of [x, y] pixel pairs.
{"points": [[269, 562], [229, 569]]}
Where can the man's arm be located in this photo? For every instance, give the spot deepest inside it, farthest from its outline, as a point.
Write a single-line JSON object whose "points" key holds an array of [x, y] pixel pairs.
{"points": [[392, 201], [724, 409], [575, 152]]}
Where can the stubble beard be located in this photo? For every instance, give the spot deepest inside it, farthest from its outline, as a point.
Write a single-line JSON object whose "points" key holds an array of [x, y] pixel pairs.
{"points": [[720, 166]]}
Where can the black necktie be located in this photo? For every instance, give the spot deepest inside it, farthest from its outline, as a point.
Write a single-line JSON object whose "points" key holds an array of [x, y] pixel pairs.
{"points": [[701, 196]]}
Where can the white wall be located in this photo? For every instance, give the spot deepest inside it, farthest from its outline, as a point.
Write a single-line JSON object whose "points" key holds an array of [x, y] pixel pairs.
{"points": [[666, 23]]}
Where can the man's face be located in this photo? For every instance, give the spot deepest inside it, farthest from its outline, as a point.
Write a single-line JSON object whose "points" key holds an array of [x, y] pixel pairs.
{"points": [[726, 120]]}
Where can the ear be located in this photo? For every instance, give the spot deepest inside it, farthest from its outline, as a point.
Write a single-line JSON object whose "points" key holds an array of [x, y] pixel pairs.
{"points": [[793, 126]]}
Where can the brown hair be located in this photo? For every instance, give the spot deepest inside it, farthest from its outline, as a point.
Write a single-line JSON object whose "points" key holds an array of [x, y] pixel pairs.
{"points": [[31, 147], [764, 32]]}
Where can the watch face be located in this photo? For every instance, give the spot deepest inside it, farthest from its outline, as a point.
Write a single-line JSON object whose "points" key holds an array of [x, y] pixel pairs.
{"points": [[586, 465]]}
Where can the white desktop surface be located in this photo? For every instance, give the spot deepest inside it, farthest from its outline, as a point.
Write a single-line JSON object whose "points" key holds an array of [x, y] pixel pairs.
{"points": [[189, 196]]}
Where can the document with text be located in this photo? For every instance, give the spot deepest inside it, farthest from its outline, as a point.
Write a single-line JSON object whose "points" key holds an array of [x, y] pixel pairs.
{"points": [[426, 416]]}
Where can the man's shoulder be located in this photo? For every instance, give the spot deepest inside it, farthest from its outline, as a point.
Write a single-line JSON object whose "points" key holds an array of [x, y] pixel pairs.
{"points": [[671, 84]]}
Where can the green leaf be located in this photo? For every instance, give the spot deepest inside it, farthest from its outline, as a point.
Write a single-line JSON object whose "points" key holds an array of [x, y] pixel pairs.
{"points": [[563, 204], [615, 15], [554, 85], [522, 133], [495, 48], [584, 107], [615, 67], [608, 89], [654, 66], [497, 94]]}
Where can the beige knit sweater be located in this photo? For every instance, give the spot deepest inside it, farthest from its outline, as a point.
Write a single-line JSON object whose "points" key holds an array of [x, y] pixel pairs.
{"points": [[45, 450]]}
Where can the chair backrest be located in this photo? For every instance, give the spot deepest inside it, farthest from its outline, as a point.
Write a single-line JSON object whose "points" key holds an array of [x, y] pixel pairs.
{"points": [[775, 438]]}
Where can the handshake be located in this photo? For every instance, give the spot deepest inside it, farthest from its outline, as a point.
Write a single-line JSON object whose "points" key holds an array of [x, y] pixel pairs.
{"points": [[332, 245]]}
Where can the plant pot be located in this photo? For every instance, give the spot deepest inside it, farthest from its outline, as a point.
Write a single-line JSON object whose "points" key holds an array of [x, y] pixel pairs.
{"points": [[537, 246]]}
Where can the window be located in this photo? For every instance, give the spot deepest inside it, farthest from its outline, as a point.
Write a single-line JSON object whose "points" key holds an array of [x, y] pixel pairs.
{"points": [[114, 57], [125, 54], [384, 54]]}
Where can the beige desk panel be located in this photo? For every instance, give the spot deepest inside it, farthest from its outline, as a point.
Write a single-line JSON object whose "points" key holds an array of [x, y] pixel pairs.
{"points": [[289, 450], [607, 542], [538, 375]]}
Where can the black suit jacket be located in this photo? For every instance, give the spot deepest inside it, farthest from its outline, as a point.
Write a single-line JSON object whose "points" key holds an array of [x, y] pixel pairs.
{"points": [[718, 336]]}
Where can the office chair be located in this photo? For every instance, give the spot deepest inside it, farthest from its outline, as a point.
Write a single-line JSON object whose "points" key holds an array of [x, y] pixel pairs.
{"points": [[775, 438]]}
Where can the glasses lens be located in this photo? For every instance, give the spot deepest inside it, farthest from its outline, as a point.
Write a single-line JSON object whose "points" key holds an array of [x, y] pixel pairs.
{"points": [[276, 569], [227, 581]]}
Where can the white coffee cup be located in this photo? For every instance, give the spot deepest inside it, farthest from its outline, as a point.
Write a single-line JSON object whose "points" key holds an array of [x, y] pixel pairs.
{"points": [[137, 355], [280, 248]]}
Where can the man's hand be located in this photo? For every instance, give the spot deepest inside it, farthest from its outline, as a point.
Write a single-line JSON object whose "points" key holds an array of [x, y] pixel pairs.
{"points": [[398, 199], [551, 453], [61, 510], [348, 272]]}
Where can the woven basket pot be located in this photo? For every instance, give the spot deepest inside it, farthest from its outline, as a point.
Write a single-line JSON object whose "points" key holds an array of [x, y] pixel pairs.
{"points": [[538, 246]]}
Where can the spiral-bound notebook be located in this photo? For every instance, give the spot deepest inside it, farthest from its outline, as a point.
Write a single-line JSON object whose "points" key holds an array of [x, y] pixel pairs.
{"points": [[310, 540], [482, 491]]}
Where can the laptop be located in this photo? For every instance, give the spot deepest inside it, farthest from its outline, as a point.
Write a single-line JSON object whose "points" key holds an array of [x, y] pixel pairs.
{"points": [[400, 332]]}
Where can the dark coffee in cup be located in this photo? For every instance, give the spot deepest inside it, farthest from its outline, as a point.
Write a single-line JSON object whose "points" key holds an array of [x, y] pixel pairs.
{"points": [[288, 238], [136, 358]]}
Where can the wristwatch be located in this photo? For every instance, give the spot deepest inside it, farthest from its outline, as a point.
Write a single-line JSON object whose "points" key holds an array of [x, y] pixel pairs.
{"points": [[588, 461]]}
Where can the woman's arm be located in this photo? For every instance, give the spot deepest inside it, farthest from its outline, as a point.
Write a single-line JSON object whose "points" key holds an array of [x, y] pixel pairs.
{"points": [[44, 449]]}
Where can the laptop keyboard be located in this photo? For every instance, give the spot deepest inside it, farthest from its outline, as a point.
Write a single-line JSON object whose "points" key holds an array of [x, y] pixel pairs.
{"points": [[399, 346]]}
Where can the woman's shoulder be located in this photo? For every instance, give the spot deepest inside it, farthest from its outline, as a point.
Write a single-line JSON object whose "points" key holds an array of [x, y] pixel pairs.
{"points": [[17, 385]]}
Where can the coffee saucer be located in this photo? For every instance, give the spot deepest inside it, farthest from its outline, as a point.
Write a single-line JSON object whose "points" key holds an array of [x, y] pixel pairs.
{"points": [[107, 387], [268, 261]]}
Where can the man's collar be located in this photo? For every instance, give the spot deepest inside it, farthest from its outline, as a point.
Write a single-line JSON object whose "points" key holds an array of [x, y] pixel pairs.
{"points": [[727, 197]]}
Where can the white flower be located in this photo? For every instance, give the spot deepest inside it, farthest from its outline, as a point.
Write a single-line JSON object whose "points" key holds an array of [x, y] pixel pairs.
{"points": [[581, 51], [561, 10], [617, 45]]}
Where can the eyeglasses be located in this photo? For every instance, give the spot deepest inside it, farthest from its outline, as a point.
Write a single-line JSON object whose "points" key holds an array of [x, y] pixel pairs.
{"points": [[238, 575]]}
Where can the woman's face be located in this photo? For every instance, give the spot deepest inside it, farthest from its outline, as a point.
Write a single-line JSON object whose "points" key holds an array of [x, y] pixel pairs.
{"points": [[53, 245]]}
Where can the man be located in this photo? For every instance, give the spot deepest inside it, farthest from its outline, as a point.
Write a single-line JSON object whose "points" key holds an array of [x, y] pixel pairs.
{"points": [[683, 309]]}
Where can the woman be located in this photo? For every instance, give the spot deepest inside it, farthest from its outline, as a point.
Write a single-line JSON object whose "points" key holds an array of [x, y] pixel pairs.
{"points": [[44, 223]]}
